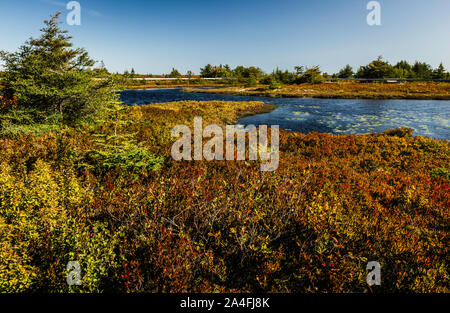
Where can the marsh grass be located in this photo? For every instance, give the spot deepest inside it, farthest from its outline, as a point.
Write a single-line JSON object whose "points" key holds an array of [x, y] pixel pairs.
{"points": [[344, 90]]}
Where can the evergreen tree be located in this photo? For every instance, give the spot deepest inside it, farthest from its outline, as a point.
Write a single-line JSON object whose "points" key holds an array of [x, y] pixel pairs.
{"points": [[404, 65], [284, 77], [206, 72], [422, 70], [403, 70], [346, 72], [376, 69], [174, 74], [252, 81], [311, 75], [117, 148], [439, 73], [53, 81]]}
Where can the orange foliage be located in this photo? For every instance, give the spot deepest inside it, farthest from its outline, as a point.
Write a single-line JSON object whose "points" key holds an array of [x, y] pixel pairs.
{"points": [[335, 203]]}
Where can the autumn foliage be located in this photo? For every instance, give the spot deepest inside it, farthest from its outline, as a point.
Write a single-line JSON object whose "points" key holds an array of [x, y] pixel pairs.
{"points": [[335, 203], [346, 90], [6, 103]]}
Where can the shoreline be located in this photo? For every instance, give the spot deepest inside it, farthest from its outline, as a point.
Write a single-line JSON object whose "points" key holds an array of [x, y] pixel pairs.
{"points": [[170, 86], [251, 93], [407, 91]]}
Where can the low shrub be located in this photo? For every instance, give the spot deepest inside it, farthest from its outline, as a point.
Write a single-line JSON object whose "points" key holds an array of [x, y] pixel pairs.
{"points": [[401, 132], [334, 204]]}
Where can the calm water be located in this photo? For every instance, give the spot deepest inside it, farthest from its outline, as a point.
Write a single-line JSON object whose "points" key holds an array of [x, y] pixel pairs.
{"points": [[427, 117]]}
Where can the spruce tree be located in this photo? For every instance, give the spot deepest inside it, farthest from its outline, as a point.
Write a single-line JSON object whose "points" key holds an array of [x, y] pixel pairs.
{"points": [[439, 73], [53, 81]]}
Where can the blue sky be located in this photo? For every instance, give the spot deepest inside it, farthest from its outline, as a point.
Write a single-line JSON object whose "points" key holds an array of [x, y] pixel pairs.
{"points": [[155, 35]]}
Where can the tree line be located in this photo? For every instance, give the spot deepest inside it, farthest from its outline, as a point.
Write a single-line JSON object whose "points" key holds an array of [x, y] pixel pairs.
{"points": [[251, 75], [376, 69], [380, 68]]}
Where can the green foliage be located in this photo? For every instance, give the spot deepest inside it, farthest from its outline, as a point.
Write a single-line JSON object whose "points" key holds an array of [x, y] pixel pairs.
{"points": [[274, 84], [422, 70], [118, 153], [376, 69], [252, 82], [119, 149], [441, 172], [174, 74], [440, 73], [311, 75], [284, 77], [42, 231], [35, 217], [403, 70], [21, 120], [101, 71], [220, 71], [346, 72], [48, 77], [240, 73], [382, 69], [97, 258]]}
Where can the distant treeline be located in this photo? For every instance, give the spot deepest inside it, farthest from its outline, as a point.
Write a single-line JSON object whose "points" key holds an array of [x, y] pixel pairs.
{"points": [[377, 69]]}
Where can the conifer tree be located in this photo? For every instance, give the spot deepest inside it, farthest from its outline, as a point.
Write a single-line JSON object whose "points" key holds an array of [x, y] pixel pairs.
{"points": [[53, 80]]}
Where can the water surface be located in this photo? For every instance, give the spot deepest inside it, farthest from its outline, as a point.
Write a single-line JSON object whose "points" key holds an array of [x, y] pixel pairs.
{"points": [[429, 118]]}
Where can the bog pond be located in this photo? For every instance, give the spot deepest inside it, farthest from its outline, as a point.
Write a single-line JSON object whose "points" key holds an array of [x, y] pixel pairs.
{"points": [[429, 118]]}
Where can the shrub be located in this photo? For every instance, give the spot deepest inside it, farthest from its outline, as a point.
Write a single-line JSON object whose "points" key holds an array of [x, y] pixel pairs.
{"points": [[346, 72], [116, 146], [312, 75], [252, 82], [401, 132], [274, 84], [335, 203], [376, 69], [441, 172]]}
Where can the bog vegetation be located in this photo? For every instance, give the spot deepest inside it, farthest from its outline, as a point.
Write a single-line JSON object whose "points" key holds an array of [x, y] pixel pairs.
{"points": [[83, 178], [340, 90], [422, 81]]}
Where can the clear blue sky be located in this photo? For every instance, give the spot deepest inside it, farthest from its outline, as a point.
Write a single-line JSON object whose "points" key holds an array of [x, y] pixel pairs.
{"points": [[155, 35]]}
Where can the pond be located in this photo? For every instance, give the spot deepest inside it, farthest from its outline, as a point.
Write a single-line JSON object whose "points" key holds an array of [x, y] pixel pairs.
{"points": [[429, 118]]}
